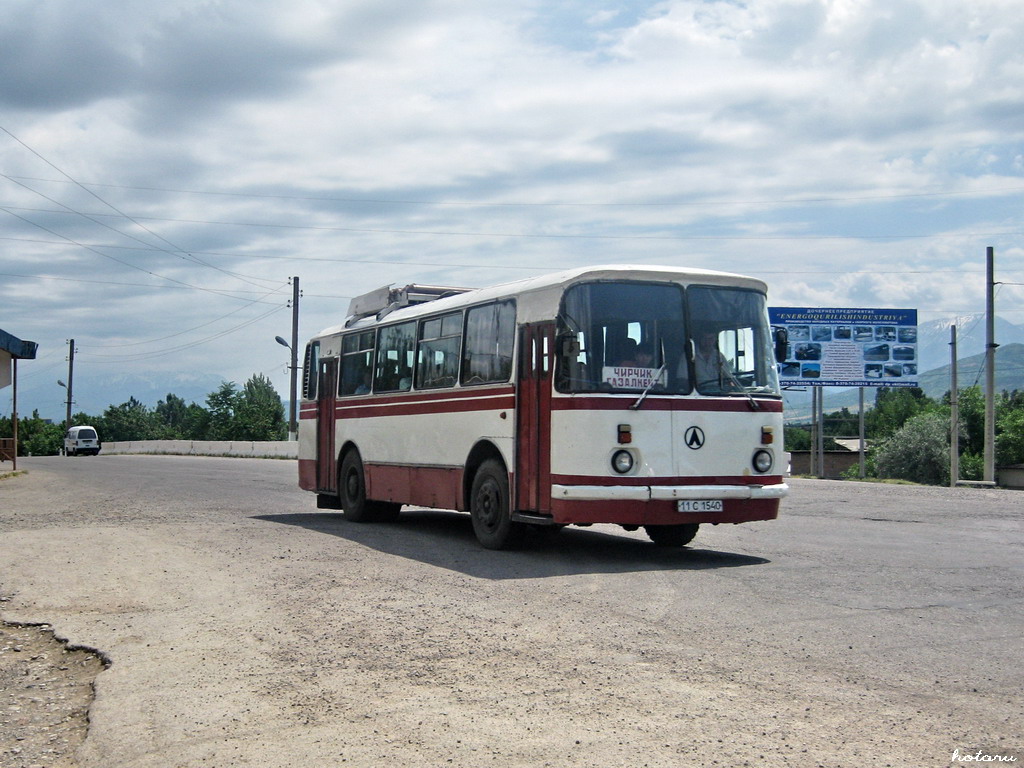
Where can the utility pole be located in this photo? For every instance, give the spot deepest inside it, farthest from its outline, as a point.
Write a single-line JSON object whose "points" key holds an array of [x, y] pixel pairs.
{"points": [[293, 427], [954, 412], [990, 367], [14, 415], [71, 379]]}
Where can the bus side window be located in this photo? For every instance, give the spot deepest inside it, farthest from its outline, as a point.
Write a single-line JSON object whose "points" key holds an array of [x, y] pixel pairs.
{"points": [[438, 361], [310, 370], [395, 349], [489, 341], [356, 364]]}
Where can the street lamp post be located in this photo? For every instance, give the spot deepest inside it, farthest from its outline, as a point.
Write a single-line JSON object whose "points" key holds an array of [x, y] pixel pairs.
{"points": [[292, 426]]}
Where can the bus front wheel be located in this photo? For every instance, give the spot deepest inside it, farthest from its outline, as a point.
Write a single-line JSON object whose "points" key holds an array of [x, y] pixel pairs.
{"points": [[490, 510], [672, 535]]}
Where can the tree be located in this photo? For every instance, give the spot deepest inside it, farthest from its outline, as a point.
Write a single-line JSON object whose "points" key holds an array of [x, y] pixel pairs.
{"points": [[35, 436], [894, 406], [222, 406], [1010, 430], [260, 413], [918, 451], [128, 421], [170, 416]]}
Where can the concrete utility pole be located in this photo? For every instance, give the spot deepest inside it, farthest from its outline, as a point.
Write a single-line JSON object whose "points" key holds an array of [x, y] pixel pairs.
{"points": [[293, 427], [71, 379], [990, 368], [954, 412], [14, 415]]}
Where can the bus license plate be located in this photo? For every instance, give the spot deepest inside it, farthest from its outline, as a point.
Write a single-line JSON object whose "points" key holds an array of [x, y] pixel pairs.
{"points": [[699, 505]]}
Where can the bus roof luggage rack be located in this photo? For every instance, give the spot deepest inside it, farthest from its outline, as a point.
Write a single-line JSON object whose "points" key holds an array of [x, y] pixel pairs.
{"points": [[387, 299]]}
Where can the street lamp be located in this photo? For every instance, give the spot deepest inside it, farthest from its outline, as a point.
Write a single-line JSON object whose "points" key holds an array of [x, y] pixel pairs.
{"points": [[292, 426]]}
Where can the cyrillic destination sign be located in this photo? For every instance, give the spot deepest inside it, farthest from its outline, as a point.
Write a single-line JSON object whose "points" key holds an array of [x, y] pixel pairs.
{"points": [[831, 347]]}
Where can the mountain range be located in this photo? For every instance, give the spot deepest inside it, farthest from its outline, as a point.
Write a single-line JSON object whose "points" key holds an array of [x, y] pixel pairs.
{"points": [[93, 395]]}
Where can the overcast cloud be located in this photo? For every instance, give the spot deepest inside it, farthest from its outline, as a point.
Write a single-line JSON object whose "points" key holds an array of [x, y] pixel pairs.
{"points": [[166, 167]]}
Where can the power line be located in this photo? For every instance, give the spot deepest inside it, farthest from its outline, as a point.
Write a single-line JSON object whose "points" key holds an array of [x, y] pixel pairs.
{"points": [[179, 333], [182, 347], [177, 251], [555, 204], [555, 236], [114, 258], [133, 285]]}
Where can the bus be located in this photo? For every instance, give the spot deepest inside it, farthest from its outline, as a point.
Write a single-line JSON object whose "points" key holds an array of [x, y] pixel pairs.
{"points": [[638, 396]]}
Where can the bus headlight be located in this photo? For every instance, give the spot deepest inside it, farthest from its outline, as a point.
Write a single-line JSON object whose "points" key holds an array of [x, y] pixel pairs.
{"points": [[762, 461], [622, 462]]}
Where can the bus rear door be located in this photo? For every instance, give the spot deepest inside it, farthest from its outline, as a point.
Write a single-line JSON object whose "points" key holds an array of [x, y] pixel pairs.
{"points": [[326, 451]]}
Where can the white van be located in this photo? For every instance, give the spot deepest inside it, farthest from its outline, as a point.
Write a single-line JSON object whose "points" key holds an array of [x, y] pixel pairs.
{"points": [[81, 440]]}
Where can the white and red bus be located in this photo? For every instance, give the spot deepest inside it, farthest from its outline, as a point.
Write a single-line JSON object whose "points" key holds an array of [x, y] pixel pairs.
{"points": [[640, 396]]}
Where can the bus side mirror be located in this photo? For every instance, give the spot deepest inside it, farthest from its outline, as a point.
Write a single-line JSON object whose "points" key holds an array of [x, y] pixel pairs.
{"points": [[570, 347], [781, 344]]}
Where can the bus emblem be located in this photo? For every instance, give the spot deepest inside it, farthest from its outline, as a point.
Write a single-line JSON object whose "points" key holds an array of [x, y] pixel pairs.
{"points": [[694, 438]]}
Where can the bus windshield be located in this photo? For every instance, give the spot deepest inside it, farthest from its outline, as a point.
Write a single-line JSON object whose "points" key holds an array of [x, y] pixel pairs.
{"points": [[632, 337]]}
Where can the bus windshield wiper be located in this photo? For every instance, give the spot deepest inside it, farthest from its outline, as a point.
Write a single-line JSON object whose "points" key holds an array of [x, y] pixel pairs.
{"points": [[754, 405], [643, 395]]}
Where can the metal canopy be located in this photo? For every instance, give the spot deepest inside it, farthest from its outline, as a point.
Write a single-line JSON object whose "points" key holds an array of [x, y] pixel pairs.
{"points": [[22, 350]]}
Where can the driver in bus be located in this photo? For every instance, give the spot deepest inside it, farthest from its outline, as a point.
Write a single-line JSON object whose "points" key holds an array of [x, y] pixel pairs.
{"points": [[709, 363]]}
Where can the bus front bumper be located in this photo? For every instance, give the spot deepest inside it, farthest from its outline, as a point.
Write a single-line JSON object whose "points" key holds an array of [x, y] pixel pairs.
{"points": [[667, 492], [635, 505]]}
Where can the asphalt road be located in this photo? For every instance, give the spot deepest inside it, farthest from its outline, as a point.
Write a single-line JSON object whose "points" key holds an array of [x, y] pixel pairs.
{"points": [[869, 626]]}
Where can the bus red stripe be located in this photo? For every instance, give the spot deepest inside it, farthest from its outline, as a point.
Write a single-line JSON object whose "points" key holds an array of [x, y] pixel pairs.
{"points": [[660, 481], [701, 404]]}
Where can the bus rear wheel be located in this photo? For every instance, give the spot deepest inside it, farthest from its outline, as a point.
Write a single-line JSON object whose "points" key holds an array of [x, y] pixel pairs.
{"points": [[672, 535], [352, 489], [352, 493], [490, 510]]}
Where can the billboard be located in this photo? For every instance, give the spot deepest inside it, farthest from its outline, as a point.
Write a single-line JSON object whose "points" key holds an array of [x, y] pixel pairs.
{"points": [[831, 347]]}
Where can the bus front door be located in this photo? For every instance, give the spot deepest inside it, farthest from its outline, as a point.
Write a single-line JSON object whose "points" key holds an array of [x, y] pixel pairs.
{"points": [[533, 419], [326, 454]]}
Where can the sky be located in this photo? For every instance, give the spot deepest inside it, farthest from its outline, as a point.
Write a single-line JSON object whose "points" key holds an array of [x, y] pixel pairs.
{"points": [[166, 168]]}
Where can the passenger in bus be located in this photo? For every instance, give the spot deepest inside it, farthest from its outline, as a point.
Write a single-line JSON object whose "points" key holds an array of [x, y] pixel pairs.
{"points": [[364, 387], [625, 352], [644, 356]]}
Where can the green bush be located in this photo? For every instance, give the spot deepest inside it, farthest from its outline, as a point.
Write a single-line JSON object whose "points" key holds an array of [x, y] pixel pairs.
{"points": [[918, 451]]}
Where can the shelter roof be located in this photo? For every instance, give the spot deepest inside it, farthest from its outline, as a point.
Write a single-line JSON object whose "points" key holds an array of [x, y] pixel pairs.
{"points": [[25, 350]]}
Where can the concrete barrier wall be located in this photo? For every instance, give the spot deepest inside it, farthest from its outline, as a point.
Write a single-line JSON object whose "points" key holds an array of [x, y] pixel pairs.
{"points": [[255, 449]]}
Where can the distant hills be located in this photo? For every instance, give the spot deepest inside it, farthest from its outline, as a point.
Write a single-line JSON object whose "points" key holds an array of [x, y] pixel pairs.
{"points": [[93, 395], [971, 371]]}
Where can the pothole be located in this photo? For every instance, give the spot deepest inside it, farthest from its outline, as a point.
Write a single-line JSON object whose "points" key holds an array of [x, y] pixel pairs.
{"points": [[46, 689]]}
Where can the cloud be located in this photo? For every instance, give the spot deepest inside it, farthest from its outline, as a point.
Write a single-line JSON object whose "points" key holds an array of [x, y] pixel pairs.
{"points": [[815, 143]]}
